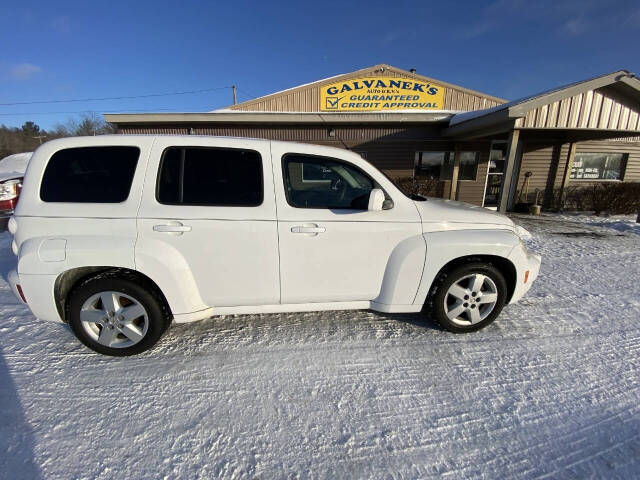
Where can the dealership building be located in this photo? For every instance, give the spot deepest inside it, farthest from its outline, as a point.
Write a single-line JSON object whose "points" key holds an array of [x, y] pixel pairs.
{"points": [[479, 148]]}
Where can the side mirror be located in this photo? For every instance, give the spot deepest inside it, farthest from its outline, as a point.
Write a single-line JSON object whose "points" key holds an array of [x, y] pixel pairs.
{"points": [[376, 200]]}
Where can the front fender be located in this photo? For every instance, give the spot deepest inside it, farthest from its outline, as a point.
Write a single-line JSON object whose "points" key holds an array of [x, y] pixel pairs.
{"points": [[446, 246], [402, 273]]}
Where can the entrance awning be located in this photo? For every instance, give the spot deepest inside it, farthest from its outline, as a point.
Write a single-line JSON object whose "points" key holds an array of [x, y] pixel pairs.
{"points": [[605, 107], [609, 102]]}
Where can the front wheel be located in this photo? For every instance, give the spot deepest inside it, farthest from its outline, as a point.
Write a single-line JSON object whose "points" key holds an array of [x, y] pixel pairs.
{"points": [[468, 297]]}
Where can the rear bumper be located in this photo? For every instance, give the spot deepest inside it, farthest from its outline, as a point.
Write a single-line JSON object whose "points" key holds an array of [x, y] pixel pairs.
{"points": [[527, 269], [39, 293]]}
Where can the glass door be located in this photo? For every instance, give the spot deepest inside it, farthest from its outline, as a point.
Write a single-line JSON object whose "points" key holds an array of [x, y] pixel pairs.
{"points": [[497, 157]]}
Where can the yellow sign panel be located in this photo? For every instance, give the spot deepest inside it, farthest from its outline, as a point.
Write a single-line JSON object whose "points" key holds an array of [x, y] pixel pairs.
{"points": [[381, 93]]}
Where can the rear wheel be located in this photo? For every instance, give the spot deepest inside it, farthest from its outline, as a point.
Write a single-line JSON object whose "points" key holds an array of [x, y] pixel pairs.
{"points": [[116, 316], [468, 297]]}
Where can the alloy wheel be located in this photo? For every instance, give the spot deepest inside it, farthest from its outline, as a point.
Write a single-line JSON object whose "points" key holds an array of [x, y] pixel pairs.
{"points": [[114, 319], [471, 299]]}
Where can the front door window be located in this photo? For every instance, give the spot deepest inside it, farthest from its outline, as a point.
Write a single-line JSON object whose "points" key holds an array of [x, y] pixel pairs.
{"points": [[319, 182]]}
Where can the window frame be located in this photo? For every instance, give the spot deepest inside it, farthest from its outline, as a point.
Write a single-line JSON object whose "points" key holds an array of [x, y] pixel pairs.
{"points": [[84, 147], [623, 168], [477, 160], [418, 164], [285, 176], [204, 147], [447, 165]]}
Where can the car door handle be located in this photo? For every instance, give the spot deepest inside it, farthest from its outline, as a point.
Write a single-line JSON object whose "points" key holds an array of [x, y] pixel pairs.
{"points": [[307, 229], [176, 228]]}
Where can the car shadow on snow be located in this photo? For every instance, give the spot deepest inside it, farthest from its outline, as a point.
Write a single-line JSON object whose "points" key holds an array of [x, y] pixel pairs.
{"points": [[290, 328], [8, 261], [420, 319], [16, 436]]}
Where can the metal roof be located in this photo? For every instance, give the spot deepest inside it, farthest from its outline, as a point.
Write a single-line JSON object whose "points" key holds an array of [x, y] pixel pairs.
{"points": [[518, 108]]}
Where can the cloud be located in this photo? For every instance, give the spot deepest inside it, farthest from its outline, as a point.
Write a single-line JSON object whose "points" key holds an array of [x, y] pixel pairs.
{"points": [[633, 20], [23, 71], [575, 26], [394, 36], [61, 24], [491, 17], [569, 17], [477, 30]]}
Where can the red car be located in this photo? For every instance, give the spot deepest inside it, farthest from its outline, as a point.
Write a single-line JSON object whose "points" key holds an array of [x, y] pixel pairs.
{"points": [[12, 170]]}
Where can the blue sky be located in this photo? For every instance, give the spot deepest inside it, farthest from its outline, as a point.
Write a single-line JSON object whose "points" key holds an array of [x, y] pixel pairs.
{"points": [[508, 48]]}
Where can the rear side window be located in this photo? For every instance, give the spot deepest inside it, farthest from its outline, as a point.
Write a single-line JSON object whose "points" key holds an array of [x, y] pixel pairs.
{"points": [[210, 177], [89, 175]]}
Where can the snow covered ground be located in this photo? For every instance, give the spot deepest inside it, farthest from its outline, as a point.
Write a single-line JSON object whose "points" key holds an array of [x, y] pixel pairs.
{"points": [[551, 390]]}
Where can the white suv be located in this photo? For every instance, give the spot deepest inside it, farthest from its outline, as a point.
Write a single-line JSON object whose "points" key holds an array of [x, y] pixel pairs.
{"points": [[119, 235]]}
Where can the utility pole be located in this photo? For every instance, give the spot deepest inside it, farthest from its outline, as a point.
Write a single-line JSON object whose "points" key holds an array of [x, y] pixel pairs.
{"points": [[233, 89], [40, 137]]}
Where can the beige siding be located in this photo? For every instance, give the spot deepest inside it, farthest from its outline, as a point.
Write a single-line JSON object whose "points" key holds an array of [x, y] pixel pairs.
{"points": [[307, 98], [548, 162], [472, 191], [541, 160], [593, 109]]}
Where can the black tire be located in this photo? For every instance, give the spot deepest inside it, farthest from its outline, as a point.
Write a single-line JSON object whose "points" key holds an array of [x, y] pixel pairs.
{"points": [[158, 316], [435, 305]]}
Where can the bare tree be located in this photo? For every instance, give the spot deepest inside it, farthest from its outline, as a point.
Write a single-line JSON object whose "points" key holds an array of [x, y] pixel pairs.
{"points": [[29, 136], [87, 124]]}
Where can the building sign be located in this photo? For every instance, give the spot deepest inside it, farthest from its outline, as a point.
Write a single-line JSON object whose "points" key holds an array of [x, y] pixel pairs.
{"points": [[381, 93]]}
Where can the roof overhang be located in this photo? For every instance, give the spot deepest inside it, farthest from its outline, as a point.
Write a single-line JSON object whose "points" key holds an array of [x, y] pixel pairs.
{"points": [[566, 135], [502, 118], [290, 118]]}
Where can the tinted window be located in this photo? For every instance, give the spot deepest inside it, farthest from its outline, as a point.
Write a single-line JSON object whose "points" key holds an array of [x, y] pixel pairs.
{"points": [[90, 175], [318, 182], [468, 165], [598, 166], [210, 176], [439, 165], [435, 165]]}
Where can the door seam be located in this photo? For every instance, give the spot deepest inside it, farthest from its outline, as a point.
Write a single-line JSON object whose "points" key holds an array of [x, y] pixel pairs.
{"points": [[275, 202]]}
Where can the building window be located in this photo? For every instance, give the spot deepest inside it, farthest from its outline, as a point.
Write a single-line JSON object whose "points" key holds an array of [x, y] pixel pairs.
{"points": [[434, 165], [439, 165], [210, 177], [468, 165], [598, 166]]}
